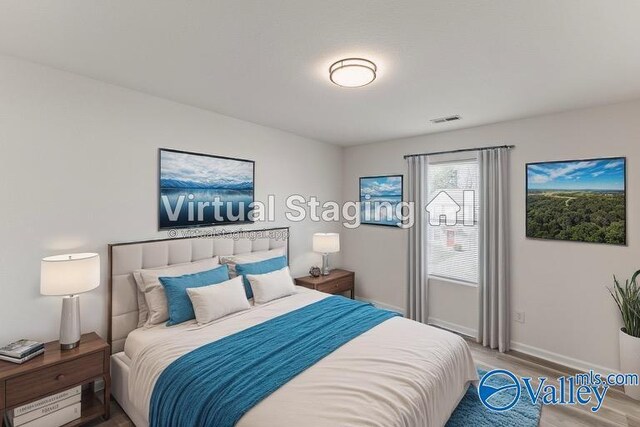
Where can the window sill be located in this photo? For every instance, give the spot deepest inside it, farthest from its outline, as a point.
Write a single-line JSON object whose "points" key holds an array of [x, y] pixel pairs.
{"points": [[454, 281]]}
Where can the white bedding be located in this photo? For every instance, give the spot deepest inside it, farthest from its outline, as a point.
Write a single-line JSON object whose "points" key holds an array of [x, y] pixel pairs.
{"points": [[400, 373]]}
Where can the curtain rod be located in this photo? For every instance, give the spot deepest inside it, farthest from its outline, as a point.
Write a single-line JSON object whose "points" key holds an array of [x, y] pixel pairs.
{"points": [[462, 150]]}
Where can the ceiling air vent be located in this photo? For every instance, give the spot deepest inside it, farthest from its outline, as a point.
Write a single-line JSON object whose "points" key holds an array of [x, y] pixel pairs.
{"points": [[446, 119]]}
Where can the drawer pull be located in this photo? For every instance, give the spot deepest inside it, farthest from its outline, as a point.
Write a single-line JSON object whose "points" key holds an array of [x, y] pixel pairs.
{"points": [[60, 377]]}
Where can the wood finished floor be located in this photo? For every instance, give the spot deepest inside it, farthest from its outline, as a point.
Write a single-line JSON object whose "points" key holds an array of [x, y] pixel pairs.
{"points": [[617, 409]]}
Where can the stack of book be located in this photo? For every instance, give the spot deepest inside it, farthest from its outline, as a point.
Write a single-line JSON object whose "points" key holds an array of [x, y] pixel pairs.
{"points": [[52, 411], [21, 351]]}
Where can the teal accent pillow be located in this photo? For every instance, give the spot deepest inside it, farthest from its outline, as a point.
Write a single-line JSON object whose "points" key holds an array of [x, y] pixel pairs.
{"points": [[175, 288], [260, 267]]}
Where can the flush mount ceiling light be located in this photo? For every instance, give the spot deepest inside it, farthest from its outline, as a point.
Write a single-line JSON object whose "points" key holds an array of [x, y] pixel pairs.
{"points": [[352, 72]]}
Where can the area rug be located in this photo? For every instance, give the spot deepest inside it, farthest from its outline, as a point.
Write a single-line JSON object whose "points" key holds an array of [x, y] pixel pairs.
{"points": [[471, 411]]}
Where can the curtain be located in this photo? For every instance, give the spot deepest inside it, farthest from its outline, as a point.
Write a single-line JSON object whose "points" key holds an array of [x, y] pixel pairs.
{"points": [[417, 303], [494, 328]]}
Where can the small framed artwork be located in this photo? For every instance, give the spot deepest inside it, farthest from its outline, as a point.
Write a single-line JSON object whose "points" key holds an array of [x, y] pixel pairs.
{"points": [[203, 190], [380, 200], [578, 200]]}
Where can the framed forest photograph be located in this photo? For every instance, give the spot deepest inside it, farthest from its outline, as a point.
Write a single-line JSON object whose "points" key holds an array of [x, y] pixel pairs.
{"points": [[577, 200]]}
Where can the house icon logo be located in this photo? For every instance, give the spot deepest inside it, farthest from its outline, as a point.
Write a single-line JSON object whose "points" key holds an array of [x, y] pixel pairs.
{"points": [[443, 207]]}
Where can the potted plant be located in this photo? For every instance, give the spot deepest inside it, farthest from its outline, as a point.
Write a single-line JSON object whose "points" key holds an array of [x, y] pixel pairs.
{"points": [[627, 298]]}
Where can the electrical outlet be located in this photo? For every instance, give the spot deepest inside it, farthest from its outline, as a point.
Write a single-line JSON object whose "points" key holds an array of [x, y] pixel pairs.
{"points": [[518, 316]]}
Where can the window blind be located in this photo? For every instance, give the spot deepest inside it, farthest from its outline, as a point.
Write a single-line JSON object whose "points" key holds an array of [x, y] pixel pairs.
{"points": [[453, 249]]}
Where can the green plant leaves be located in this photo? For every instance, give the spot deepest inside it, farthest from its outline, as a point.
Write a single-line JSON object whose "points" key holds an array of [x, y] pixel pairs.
{"points": [[627, 298]]}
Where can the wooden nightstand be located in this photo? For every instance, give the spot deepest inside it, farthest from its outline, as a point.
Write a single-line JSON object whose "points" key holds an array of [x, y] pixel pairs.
{"points": [[336, 282], [58, 370]]}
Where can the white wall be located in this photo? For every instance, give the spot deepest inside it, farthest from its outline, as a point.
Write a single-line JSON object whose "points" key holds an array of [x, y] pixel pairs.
{"points": [[78, 170], [569, 316]]}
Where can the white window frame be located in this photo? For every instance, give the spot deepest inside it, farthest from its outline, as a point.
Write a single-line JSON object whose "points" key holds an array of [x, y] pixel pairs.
{"points": [[457, 158]]}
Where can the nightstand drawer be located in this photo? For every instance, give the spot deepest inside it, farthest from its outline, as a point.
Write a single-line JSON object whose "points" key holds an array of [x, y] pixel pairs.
{"points": [[340, 285], [43, 382]]}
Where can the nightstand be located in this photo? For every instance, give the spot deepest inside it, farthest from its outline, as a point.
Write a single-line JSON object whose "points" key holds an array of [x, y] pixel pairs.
{"points": [[58, 370], [336, 282]]}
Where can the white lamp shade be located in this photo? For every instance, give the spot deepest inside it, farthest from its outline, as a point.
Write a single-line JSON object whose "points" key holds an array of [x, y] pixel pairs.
{"points": [[69, 274], [326, 243]]}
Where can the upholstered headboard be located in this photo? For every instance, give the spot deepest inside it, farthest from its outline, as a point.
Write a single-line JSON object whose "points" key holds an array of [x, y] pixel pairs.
{"points": [[125, 258]]}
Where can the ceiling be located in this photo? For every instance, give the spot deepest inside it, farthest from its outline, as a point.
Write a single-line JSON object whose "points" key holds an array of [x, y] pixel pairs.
{"points": [[266, 61]]}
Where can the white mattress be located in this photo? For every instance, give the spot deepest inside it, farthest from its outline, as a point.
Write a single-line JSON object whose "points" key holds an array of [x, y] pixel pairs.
{"points": [[400, 373], [120, 387]]}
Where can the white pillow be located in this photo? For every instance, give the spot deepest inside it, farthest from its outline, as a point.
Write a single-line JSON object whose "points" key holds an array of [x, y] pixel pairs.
{"points": [[270, 286], [232, 260], [143, 309], [149, 285], [215, 301]]}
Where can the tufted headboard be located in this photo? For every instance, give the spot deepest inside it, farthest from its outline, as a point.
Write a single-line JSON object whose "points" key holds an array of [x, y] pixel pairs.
{"points": [[125, 258]]}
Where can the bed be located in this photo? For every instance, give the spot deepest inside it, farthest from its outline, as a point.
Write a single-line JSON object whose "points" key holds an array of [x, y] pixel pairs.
{"points": [[398, 373]]}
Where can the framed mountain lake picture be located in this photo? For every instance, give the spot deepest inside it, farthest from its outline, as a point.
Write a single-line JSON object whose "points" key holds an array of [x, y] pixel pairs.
{"points": [[578, 200], [200, 190], [380, 200]]}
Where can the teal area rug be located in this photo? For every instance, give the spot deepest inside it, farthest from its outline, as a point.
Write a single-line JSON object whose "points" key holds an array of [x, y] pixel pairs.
{"points": [[471, 411]]}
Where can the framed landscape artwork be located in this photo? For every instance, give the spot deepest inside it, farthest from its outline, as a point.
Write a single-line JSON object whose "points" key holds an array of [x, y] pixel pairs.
{"points": [[379, 197], [200, 190], [578, 200]]}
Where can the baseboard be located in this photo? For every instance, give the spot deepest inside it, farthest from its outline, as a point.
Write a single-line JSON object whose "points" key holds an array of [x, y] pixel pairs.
{"points": [[550, 356], [464, 330], [435, 322], [382, 305], [569, 362]]}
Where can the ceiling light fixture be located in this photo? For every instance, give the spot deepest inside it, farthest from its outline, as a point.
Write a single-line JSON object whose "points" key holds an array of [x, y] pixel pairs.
{"points": [[352, 72]]}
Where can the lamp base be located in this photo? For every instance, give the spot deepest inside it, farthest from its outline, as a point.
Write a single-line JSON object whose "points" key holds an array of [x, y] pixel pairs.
{"points": [[70, 322], [325, 265], [69, 346]]}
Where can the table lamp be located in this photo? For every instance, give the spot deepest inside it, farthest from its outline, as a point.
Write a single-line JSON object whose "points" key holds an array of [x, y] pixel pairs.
{"points": [[326, 243], [68, 276]]}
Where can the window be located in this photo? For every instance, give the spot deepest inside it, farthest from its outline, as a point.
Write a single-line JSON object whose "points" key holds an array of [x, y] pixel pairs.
{"points": [[453, 244]]}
